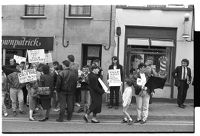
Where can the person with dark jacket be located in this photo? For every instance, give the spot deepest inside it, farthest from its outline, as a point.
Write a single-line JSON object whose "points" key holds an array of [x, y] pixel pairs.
{"points": [[46, 80], [96, 93], [142, 93], [182, 75], [65, 87], [114, 90]]}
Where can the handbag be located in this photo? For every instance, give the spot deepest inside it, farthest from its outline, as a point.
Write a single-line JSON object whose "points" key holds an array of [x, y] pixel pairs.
{"points": [[43, 91]]}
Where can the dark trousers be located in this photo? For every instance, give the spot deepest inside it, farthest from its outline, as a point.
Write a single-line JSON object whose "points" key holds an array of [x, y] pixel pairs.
{"points": [[182, 92], [63, 100], [114, 93], [78, 95], [25, 93]]}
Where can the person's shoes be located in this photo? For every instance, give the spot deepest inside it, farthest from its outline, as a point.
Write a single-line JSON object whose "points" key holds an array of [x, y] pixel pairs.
{"points": [[45, 119], [5, 114], [184, 105], [124, 121], [143, 122], [137, 121], [31, 119], [130, 122], [14, 113], [85, 118], [181, 106], [95, 121], [59, 120], [22, 112]]}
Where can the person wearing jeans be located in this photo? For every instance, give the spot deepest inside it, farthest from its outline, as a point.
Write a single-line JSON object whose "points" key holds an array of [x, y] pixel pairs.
{"points": [[16, 91], [142, 94]]}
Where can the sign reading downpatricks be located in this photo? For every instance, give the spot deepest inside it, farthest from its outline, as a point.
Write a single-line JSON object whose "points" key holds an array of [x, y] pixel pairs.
{"points": [[35, 56], [19, 59], [48, 58], [27, 76], [114, 77]]}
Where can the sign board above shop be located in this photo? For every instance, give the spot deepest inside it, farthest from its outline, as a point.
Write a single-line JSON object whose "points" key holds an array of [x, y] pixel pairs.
{"points": [[25, 42]]}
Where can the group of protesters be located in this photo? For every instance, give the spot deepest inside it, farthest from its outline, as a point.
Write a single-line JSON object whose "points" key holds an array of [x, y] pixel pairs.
{"points": [[62, 81], [68, 85]]}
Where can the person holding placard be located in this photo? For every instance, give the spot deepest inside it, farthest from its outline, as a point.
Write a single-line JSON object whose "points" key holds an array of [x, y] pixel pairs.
{"points": [[142, 94], [16, 91], [114, 89], [96, 93]]}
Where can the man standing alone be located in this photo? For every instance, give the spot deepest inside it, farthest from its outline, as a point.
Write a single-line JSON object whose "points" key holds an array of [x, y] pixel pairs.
{"points": [[182, 75]]}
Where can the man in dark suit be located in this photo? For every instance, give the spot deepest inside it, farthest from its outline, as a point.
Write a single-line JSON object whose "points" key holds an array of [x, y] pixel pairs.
{"points": [[182, 76]]}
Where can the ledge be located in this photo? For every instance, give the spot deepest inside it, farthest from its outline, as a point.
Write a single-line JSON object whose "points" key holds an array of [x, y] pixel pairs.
{"points": [[89, 18], [33, 17]]}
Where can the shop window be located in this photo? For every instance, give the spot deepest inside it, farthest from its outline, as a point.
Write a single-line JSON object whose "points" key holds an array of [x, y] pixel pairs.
{"points": [[80, 10], [34, 10], [161, 57]]}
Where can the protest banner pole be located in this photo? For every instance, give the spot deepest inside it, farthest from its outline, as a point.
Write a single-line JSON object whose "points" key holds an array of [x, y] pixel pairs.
{"points": [[26, 57]]}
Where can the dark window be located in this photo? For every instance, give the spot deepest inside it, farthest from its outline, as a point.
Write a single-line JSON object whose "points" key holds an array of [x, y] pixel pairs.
{"points": [[79, 10], [34, 10]]}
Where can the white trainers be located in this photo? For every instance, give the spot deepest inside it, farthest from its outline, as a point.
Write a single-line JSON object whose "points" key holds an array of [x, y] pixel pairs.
{"points": [[5, 114]]}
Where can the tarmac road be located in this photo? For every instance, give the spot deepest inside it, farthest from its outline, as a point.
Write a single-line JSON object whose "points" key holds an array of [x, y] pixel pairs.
{"points": [[23, 125]]}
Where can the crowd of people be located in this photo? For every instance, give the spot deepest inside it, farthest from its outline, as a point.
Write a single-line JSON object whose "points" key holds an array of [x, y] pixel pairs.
{"points": [[66, 85]]}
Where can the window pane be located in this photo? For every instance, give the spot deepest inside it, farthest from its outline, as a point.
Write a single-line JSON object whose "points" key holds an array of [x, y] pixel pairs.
{"points": [[34, 10], [79, 10]]}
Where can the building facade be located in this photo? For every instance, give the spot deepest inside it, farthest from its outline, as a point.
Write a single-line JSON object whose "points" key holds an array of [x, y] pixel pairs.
{"points": [[161, 32], [89, 32], [85, 31]]}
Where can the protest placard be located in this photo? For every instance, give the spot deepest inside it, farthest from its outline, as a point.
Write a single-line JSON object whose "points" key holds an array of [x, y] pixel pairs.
{"points": [[19, 59], [114, 77], [27, 76], [35, 56], [105, 88], [48, 58]]}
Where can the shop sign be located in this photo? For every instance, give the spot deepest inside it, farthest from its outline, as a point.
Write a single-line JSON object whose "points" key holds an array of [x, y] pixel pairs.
{"points": [[27, 76], [24, 42]]}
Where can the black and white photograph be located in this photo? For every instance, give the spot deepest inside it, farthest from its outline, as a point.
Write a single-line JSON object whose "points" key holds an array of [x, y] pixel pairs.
{"points": [[98, 68]]}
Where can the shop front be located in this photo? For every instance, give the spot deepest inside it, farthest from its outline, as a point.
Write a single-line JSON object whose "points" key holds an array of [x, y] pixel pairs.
{"points": [[18, 45]]}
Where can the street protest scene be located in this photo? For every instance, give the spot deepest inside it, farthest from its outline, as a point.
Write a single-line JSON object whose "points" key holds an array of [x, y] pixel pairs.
{"points": [[97, 76]]}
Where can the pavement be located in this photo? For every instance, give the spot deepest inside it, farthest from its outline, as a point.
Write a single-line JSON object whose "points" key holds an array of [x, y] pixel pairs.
{"points": [[157, 111]]}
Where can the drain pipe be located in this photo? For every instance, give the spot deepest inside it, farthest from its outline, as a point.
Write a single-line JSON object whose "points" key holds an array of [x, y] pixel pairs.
{"points": [[110, 31], [63, 36]]}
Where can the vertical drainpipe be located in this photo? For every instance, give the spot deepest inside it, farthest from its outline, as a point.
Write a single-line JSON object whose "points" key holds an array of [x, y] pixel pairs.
{"points": [[110, 30], [63, 37]]}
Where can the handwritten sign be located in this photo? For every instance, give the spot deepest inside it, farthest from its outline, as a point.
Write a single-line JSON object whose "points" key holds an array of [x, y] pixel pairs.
{"points": [[35, 56], [114, 77], [27, 76], [19, 59], [48, 58]]}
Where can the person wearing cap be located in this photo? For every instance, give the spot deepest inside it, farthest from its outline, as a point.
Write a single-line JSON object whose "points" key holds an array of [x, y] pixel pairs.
{"points": [[182, 76], [114, 90]]}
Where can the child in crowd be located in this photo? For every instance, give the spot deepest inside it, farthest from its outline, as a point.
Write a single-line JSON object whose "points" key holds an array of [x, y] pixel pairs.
{"points": [[126, 97]]}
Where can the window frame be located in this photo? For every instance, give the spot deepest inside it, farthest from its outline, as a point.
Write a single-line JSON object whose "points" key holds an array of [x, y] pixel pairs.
{"points": [[40, 6], [79, 15]]}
